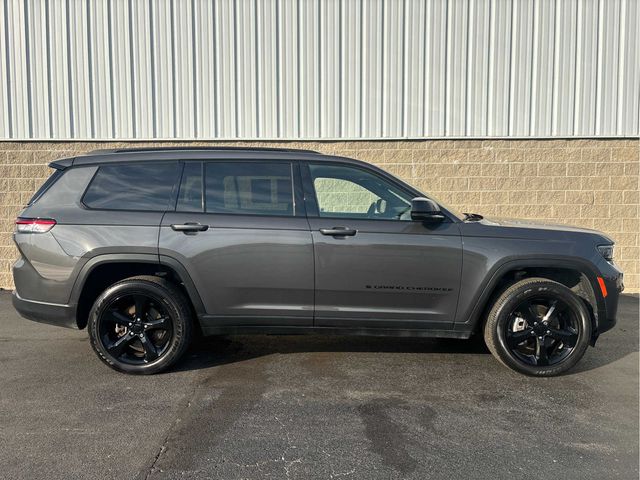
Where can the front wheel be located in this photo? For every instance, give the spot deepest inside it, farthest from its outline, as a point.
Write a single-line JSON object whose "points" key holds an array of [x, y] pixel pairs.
{"points": [[141, 325], [538, 327]]}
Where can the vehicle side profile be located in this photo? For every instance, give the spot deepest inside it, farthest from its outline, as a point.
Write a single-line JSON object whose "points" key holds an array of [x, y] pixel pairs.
{"points": [[145, 247]]}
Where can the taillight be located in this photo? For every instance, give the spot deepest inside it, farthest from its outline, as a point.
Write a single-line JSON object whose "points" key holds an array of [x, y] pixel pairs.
{"points": [[34, 225]]}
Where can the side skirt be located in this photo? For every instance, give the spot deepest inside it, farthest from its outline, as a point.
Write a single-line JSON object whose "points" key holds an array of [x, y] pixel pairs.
{"points": [[371, 332]]}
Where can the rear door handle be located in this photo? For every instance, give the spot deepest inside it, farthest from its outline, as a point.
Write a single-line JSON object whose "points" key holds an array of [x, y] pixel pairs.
{"points": [[338, 231], [189, 227]]}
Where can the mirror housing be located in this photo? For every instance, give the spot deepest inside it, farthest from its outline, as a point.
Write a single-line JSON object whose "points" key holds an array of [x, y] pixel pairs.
{"points": [[425, 210]]}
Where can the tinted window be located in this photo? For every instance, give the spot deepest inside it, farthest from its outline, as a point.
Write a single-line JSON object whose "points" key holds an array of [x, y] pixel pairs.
{"points": [[141, 186], [249, 188], [343, 191], [190, 196]]}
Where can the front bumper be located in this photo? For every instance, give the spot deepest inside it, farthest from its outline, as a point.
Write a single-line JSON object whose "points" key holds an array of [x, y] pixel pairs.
{"points": [[608, 307], [51, 313]]}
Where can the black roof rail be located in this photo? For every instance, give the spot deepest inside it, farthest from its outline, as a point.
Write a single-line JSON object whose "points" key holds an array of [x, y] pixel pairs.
{"points": [[170, 149]]}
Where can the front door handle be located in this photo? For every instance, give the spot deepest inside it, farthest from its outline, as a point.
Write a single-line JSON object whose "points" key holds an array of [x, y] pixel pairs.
{"points": [[189, 227], [339, 231]]}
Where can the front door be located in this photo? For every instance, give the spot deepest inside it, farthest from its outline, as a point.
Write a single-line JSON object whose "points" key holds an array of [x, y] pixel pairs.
{"points": [[374, 266], [241, 232]]}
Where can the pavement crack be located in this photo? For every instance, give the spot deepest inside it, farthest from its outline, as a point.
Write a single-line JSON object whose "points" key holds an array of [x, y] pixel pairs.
{"points": [[342, 474], [172, 428], [161, 450], [288, 464]]}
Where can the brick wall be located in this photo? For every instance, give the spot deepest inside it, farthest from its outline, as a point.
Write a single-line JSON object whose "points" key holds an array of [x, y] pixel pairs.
{"points": [[588, 183]]}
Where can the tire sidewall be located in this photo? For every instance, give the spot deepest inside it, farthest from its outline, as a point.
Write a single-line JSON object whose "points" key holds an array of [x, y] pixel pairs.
{"points": [[158, 294], [507, 304]]}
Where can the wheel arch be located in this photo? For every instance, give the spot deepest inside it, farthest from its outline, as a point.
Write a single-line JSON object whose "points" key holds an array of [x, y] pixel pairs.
{"points": [[575, 274], [104, 270]]}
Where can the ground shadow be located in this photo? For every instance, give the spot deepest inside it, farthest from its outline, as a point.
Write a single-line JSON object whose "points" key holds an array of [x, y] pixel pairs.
{"points": [[616, 344], [220, 350]]}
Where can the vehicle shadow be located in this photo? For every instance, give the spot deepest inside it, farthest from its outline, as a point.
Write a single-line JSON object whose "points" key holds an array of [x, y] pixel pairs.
{"points": [[215, 351], [221, 350], [616, 344]]}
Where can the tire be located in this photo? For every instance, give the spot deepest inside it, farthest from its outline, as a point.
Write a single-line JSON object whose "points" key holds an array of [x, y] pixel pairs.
{"points": [[140, 325], [518, 335]]}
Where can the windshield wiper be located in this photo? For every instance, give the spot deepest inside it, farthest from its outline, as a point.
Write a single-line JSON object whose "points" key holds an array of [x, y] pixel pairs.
{"points": [[472, 217]]}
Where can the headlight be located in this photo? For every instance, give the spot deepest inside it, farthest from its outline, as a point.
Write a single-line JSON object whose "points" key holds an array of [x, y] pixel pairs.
{"points": [[606, 251]]}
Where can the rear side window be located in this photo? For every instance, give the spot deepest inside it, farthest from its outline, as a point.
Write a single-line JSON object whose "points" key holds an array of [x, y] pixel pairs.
{"points": [[138, 186], [250, 188]]}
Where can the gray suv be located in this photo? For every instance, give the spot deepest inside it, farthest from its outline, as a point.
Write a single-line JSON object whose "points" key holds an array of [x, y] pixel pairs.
{"points": [[145, 247]]}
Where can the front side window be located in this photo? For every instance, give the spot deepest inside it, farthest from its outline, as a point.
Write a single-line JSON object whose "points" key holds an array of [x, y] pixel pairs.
{"points": [[349, 192], [250, 188], [136, 186]]}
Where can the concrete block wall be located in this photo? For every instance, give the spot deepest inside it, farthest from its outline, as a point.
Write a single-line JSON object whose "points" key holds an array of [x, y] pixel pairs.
{"points": [[587, 183]]}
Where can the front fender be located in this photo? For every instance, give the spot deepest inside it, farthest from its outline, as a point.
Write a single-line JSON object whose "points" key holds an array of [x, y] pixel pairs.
{"points": [[469, 314]]}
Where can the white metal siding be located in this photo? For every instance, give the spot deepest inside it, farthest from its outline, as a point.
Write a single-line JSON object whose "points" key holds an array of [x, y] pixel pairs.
{"points": [[289, 69]]}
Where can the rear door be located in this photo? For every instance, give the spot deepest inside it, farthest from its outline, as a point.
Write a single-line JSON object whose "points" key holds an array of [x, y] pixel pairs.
{"points": [[374, 266], [240, 230]]}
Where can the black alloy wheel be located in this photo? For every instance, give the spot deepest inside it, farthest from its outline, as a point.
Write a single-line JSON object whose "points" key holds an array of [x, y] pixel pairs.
{"points": [[135, 329], [538, 327], [140, 325], [542, 331]]}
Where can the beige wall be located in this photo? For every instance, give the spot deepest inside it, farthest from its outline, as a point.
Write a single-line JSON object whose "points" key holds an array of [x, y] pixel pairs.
{"points": [[588, 183]]}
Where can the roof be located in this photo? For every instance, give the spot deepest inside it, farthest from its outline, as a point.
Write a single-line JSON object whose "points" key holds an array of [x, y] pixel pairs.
{"points": [[185, 153]]}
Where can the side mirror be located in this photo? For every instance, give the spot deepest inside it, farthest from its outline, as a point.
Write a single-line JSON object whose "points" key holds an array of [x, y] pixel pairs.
{"points": [[425, 210]]}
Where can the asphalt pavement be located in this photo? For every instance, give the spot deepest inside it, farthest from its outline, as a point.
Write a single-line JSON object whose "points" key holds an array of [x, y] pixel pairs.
{"points": [[308, 407]]}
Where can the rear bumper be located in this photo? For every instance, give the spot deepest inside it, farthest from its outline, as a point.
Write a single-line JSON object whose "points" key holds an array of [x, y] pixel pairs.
{"points": [[51, 313]]}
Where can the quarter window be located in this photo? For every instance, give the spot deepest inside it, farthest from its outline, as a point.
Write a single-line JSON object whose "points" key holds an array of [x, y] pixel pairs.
{"points": [[138, 186]]}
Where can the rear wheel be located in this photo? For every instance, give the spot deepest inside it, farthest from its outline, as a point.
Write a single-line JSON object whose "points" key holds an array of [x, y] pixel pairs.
{"points": [[141, 325], [538, 327]]}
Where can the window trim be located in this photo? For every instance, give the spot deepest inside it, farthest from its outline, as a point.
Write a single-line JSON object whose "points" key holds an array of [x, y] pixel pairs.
{"points": [[172, 199]]}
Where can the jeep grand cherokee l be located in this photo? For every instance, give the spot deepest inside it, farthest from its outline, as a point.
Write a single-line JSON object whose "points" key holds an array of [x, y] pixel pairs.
{"points": [[143, 246]]}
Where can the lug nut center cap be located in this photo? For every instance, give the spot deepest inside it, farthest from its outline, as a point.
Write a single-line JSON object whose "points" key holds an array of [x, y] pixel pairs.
{"points": [[540, 329], [137, 328]]}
